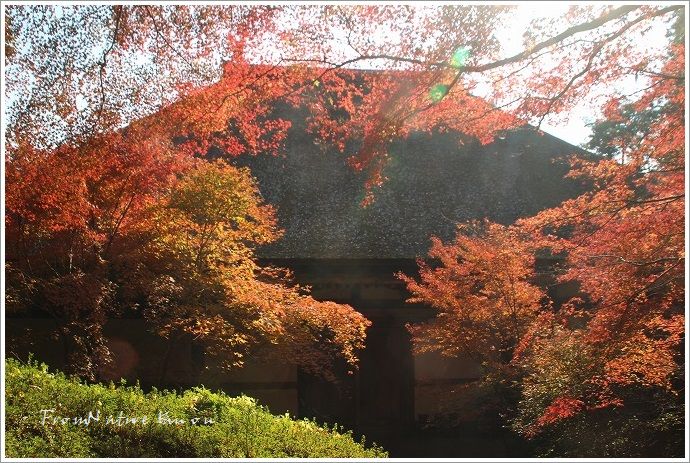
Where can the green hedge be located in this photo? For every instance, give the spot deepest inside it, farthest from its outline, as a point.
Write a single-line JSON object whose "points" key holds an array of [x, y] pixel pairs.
{"points": [[240, 427]]}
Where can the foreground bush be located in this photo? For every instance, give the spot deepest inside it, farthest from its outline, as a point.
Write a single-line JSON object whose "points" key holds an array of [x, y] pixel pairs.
{"points": [[196, 423]]}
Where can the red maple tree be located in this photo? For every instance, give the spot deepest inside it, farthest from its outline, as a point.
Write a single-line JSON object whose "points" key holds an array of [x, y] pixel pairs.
{"points": [[111, 105]]}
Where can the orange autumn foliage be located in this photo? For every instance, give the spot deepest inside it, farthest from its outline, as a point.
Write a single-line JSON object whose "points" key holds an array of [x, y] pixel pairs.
{"points": [[624, 242], [141, 229], [481, 291], [218, 71], [98, 214]]}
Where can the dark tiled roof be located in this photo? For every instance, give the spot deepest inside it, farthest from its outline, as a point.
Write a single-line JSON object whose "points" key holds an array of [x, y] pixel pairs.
{"points": [[433, 181]]}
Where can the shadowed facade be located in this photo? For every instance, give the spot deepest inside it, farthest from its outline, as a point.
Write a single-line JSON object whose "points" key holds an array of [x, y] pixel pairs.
{"points": [[350, 254]]}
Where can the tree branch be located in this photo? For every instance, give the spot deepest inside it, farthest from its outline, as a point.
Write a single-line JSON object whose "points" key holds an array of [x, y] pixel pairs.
{"points": [[104, 61], [597, 49]]}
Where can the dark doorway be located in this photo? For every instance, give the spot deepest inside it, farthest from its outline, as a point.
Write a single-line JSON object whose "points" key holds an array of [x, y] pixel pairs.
{"points": [[386, 379], [378, 400]]}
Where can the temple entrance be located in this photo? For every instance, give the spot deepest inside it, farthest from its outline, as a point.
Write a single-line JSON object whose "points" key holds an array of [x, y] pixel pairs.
{"points": [[386, 379], [378, 400]]}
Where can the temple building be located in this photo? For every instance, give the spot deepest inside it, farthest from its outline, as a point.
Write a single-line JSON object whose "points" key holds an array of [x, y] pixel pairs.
{"points": [[350, 254]]}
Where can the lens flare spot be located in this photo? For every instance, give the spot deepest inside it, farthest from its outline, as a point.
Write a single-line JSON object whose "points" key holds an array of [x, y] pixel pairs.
{"points": [[437, 92], [459, 57]]}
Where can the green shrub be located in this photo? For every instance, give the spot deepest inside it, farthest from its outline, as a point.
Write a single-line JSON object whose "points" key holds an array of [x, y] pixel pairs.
{"points": [[212, 424]]}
